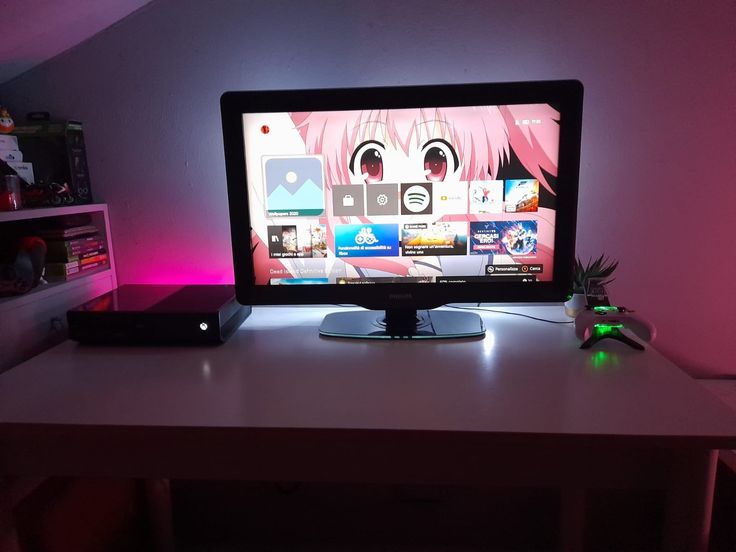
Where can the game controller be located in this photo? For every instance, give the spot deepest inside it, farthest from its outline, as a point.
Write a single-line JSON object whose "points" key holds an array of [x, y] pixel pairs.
{"points": [[596, 323]]}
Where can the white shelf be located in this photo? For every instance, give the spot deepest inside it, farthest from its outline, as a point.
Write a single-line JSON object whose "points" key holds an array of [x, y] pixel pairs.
{"points": [[44, 212], [99, 212], [45, 290], [36, 320]]}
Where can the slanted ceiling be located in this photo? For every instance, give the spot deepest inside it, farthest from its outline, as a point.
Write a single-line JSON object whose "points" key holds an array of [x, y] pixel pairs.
{"points": [[33, 31]]}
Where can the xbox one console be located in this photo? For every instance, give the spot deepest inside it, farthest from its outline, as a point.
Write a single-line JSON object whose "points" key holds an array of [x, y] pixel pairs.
{"points": [[159, 314], [601, 322]]}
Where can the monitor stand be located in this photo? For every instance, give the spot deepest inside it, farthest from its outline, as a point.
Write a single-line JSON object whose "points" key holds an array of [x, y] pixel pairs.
{"points": [[402, 324]]}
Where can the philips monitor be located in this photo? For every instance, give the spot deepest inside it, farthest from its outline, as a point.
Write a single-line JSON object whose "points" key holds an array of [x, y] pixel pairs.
{"points": [[403, 199]]}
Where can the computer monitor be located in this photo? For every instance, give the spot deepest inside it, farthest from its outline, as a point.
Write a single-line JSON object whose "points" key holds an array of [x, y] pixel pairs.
{"points": [[403, 199]]}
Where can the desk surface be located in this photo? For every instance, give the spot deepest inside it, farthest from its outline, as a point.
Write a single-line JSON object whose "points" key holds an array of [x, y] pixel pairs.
{"points": [[523, 406], [525, 377]]}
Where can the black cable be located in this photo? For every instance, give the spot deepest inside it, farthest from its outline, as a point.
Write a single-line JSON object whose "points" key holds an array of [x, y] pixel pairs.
{"points": [[483, 309]]}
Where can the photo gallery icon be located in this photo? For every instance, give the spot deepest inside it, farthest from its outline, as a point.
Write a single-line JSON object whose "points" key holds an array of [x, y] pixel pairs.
{"points": [[294, 185]]}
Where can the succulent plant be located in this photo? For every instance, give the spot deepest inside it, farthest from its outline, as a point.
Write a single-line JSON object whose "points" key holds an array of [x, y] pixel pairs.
{"points": [[602, 267]]}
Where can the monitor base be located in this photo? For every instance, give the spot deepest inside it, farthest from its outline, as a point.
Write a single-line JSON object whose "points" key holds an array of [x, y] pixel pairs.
{"points": [[402, 324]]}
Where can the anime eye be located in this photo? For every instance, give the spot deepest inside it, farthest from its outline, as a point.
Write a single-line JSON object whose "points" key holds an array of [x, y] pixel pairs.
{"points": [[370, 161], [439, 154], [435, 164], [371, 165]]}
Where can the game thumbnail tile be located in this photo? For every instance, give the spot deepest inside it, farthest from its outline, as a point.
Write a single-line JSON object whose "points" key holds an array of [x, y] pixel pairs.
{"points": [[486, 197], [439, 238], [504, 238], [521, 196], [297, 240]]}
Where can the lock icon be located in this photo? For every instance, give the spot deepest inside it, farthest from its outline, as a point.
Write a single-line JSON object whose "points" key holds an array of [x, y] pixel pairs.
{"points": [[348, 201]]}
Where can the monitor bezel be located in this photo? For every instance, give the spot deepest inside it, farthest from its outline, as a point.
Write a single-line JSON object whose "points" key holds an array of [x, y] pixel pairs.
{"points": [[565, 95]]}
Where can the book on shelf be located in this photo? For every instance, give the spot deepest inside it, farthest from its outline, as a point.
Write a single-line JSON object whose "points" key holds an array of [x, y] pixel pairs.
{"points": [[89, 266], [72, 232], [101, 257], [61, 271], [61, 250], [73, 269], [55, 257]]}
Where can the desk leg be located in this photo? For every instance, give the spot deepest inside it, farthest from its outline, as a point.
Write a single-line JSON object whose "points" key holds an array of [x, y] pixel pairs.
{"points": [[690, 501], [8, 535], [12, 491], [572, 518], [158, 496]]}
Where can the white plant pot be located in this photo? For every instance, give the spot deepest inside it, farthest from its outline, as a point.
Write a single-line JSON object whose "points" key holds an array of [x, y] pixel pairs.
{"points": [[575, 305]]}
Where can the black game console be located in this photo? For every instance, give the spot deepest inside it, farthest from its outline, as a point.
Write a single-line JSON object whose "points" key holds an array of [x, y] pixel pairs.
{"points": [[159, 314]]}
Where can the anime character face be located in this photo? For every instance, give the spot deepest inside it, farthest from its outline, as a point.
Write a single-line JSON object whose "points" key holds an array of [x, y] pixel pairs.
{"points": [[431, 157], [464, 146], [451, 144]]}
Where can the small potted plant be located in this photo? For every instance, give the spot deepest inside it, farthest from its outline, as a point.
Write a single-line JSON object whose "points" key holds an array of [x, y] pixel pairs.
{"points": [[601, 268]]}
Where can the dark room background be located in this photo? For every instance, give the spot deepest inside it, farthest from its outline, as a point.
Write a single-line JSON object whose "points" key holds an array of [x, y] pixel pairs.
{"points": [[658, 171]]}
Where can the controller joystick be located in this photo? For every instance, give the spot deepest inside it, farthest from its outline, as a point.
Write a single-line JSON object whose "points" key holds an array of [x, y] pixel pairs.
{"points": [[607, 322]]}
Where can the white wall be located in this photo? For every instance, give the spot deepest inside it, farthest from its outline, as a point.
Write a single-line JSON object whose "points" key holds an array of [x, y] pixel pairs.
{"points": [[658, 164]]}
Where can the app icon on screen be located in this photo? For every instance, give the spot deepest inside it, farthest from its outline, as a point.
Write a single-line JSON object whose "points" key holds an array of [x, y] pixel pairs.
{"points": [[347, 200], [382, 199], [294, 186], [416, 199], [450, 198], [367, 240]]}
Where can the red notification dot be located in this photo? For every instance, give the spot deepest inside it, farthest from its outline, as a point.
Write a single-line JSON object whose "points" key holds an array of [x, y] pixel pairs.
{"points": [[265, 129]]}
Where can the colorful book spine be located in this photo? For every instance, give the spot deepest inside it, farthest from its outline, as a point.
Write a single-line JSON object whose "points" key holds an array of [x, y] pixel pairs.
{"points": [[72, 269], [95, 259], [63, 250], [55, 258], [90, 266]]}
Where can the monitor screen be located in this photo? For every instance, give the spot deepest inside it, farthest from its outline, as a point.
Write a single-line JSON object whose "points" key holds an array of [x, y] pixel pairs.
{"points": [[409, 196]]}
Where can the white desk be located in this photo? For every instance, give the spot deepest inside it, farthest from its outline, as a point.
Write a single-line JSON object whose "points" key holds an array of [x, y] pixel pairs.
{"points": [[524, 406]]}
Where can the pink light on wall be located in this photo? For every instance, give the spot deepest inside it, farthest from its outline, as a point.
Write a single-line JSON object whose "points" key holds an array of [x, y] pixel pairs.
{"points": [[162, 251], [188, 275], [657, 164]]}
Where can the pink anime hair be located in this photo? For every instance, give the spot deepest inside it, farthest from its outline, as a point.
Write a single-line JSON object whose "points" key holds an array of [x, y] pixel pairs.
{"points": [[480, 135]]}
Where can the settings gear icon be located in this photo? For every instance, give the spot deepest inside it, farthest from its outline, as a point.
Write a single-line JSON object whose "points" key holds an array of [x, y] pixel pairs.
{"points": [[382, 199]]}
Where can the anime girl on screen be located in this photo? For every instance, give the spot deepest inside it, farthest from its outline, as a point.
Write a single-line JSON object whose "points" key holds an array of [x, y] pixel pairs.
{"points": [[443, 146]]}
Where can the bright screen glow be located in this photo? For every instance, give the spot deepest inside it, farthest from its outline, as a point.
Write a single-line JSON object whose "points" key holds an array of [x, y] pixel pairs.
{"points": [[456, 194]]}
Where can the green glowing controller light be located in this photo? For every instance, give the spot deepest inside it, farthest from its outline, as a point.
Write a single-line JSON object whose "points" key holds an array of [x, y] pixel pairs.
{"points": [[602, 330], [605, 309]]}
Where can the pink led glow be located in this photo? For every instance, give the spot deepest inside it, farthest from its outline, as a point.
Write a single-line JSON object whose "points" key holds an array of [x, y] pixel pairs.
{"points": [[190, 275], [657, 163]]}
